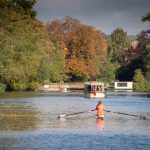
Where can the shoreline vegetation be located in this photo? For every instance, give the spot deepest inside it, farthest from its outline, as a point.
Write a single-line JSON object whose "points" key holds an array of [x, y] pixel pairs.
{"points": [[32, 52]]}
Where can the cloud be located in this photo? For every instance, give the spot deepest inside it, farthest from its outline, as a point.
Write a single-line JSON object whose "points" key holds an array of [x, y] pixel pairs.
{"points": [[103, 14]]}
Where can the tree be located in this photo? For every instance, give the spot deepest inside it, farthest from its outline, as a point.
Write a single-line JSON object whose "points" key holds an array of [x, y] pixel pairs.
{"points": [[84, 47], [108, 73], [139, 81], [118, 44], [86, 52], [51, 67], [20, 6], [146, 17], [20, 50], [137, 57], [26, 52]]}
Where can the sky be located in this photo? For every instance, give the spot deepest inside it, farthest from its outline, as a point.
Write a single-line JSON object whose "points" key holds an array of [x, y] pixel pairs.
{"points": [[104, 15]]}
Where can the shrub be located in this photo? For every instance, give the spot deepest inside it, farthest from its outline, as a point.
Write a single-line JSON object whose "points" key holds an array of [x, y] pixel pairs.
{"points": [[33, 86], [18, 86], [139, 81], [2, 87]]}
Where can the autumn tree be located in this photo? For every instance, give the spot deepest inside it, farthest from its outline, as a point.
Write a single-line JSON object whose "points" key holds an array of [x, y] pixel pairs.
{"points": [[86, 52], [84, 47]]}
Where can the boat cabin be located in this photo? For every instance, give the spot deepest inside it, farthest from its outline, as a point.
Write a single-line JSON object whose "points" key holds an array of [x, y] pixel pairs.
{"points": [[94, 89], [123, 86]]}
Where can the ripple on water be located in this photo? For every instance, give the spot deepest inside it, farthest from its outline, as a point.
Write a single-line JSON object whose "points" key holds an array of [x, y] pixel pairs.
{"points": [[32, 123]]}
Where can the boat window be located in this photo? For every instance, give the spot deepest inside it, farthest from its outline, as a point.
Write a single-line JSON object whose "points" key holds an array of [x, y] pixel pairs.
{"points": [[93, 88], [100, 88], [121, 84], [88, 88], [97, 88]]}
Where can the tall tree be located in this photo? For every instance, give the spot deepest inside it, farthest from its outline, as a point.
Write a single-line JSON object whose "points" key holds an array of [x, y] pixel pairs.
{"points": [[118, 44], [139, 80], [21, 6], [137, 57], [84, 47], [26, 53]]}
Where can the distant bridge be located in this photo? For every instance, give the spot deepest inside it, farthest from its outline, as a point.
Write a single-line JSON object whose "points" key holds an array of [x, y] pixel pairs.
{"points": [[73, 86]]}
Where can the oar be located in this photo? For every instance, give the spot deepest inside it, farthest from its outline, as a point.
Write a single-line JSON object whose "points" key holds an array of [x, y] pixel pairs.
{"points": [[141, 117], [80, 112]]}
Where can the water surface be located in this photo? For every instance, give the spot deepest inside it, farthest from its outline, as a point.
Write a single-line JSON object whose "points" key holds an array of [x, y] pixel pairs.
{"points": [[30, 121]]}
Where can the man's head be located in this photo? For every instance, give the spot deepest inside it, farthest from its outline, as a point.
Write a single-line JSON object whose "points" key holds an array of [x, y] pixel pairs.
{"points": [[99, 102]]}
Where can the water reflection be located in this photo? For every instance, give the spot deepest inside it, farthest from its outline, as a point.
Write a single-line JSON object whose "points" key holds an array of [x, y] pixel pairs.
{"points": [[100, 123], [40, 113], [17, 117], [129, 94], [37, 117]]}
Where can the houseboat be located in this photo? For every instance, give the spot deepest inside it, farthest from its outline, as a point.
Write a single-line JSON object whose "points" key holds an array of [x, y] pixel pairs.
{"points": [[94, 89], [123, 86]]}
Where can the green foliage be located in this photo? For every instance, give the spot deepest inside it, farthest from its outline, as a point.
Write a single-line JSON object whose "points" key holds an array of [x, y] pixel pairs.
{"points": [[139, 77], [24, 45], [146, 56], [147, 77], [67, 50], [118, 44], [2, 87], [108, 73], [26, 4], [138, 58], [51, 67], [139, 81], [20, 6], [33, 86], [56, 66], [17, 86], [4, 3]]}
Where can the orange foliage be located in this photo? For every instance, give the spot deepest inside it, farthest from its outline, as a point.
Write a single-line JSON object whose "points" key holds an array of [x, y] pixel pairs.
{"points": [[84, 46]]}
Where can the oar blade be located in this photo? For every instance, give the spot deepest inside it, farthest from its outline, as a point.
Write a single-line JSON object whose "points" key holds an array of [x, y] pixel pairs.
{"points": [[64, 115], [61, 116]]}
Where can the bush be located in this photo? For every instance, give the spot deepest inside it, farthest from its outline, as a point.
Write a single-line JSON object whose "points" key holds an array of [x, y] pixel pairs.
{"points": [[147, 85], [139, 81], [139, 87], [18, 86], [33, 86], [2, 87]]}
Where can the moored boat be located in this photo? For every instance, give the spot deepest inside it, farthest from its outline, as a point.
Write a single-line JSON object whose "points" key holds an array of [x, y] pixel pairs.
{"points": [[94, 89], [123, 86]]}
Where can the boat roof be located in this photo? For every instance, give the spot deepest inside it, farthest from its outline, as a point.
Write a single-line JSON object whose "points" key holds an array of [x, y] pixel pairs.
{"points": [[94, 83]]}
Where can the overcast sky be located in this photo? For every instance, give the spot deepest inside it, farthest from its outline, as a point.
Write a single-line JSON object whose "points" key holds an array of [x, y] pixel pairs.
{"points": [[105, 15]]}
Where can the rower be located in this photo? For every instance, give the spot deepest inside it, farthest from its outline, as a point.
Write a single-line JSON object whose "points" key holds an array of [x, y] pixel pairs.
{"points": [[100, 110]]}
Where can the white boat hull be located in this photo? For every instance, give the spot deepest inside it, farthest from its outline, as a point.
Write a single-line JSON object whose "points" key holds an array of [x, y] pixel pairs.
{"points": [[95, 95]]}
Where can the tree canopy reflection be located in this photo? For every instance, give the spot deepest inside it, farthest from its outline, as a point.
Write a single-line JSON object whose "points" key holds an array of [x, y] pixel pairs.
{"points": [[17, 117]]}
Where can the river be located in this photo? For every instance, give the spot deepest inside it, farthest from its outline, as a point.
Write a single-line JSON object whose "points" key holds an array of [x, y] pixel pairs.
{"points": [[29, 121]]}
